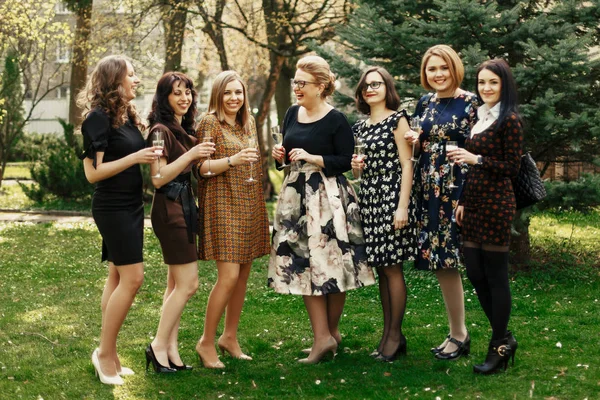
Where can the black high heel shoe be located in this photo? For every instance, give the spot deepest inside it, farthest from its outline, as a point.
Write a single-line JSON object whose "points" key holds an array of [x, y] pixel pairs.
{"points": [[180, 367], [512, 342], [499, 352], [463, 349], [401, 349], [158, 367], [435, 350]]}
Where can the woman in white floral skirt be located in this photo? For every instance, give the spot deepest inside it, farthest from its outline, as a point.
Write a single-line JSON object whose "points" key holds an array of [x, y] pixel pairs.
{"points": [[318, 249]]}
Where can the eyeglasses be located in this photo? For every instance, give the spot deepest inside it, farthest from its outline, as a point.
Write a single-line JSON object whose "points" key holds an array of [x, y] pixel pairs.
{"points": [[300, 84], [373, 85]]}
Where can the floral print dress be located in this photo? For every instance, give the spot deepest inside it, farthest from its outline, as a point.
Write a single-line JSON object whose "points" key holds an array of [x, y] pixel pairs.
{"points": [[380, 194], [442, 120]]}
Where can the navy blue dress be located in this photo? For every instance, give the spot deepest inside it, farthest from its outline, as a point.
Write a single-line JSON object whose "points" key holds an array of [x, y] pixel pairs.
{"points": [[443, 119]]}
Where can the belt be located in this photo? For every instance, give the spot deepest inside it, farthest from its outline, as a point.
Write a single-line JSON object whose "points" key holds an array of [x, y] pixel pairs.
{"points": [[180, 187]]}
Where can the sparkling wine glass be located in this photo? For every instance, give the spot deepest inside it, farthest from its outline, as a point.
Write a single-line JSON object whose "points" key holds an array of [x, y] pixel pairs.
{"points": [[451, 145], [252, 144], [359, 150], [415, 125], [278, 139], [158, 141], [208, 139]]}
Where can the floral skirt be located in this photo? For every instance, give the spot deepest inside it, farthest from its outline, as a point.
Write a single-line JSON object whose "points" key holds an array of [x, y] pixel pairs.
{"points": [[318, 246]]}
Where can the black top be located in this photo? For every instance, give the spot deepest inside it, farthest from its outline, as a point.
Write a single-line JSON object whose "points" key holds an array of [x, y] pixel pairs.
{"points": [[330, 137], [124, 189]]}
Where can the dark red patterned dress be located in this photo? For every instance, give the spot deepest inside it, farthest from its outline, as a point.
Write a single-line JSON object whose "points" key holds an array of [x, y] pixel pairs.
{"points": [[488, 195]]}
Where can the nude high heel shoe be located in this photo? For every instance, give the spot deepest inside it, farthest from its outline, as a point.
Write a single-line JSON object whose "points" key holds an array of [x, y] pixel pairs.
{"points": [[215, 365], [331, 347], [240, 356]]}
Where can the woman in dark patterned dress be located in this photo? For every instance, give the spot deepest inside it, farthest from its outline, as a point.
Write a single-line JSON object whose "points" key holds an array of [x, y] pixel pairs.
{"points": [[386, 210], [114, 148], [446, 115], [487, 205], [318, 250], [234, 228], [174, 216]]}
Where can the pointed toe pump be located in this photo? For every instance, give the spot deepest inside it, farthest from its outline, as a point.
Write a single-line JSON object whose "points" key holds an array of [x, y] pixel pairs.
{"points": [[158, 367], [107, 380]]}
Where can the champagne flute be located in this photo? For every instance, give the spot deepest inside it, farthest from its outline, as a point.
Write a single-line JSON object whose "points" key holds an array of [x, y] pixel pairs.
{"points": [[359, 148], [159, 142], [278, 139], [415, 125], [252, 144], [451, 145], [208, 139]]}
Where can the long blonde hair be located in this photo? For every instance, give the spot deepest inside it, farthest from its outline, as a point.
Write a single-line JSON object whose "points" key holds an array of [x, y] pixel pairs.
{"points": [[215, 104], [104, 90]]}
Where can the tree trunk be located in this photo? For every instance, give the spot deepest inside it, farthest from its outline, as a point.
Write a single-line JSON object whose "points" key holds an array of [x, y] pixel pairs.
{"points": [[261, 116], [214, 30], [174, 20], [79, 63], [520, 244], [283, 92]]}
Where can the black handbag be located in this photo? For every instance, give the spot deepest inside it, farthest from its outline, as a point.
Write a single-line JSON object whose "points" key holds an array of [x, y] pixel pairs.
{"points": [[528, 185]]}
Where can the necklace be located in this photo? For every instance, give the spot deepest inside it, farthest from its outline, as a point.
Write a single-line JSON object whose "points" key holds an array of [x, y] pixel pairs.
{"points": [[438, 114]]}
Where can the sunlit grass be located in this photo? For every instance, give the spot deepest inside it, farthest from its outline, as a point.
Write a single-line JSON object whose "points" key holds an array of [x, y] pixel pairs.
{"points": [[51, 282]]}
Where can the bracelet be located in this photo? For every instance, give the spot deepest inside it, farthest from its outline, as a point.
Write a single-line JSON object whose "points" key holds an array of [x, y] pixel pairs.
{"points": [[229, 162]]}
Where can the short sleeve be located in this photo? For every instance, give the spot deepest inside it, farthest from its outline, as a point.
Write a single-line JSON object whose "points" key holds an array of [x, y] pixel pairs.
{"points": [[167, 135], [95, 131], [209, 125]]}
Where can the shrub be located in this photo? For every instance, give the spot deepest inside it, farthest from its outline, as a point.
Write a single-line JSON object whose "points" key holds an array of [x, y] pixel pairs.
{"points": [[58, 170], [582, 194], [30, 146]]}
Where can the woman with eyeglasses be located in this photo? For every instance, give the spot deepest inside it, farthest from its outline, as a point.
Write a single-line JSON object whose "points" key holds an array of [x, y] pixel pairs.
{"points": [[318, 250], [386, 209], [446, 116]]}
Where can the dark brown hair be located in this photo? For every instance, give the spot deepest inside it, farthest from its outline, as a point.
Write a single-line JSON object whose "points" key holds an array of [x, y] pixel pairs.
{"points": [[392, 100], [161, 109]]}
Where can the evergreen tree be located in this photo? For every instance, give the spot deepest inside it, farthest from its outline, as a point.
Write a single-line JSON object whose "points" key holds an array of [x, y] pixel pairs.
{"points": [[548, 44]]}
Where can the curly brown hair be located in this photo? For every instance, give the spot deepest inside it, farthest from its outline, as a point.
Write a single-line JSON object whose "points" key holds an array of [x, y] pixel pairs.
{"points": [[104, 90]]}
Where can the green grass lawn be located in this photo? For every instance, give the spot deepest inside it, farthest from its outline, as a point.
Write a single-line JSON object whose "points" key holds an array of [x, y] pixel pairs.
{"points": [[50, 321]]}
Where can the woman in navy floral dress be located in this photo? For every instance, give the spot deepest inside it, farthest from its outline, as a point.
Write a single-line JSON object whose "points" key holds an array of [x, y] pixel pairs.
{"points": [[386, 209], [446, 115]]}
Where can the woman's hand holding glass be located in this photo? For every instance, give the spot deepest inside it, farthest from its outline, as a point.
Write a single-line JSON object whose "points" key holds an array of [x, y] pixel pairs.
{"points": [[300, 155], [202, 150], [461, 156], [278, 152]]}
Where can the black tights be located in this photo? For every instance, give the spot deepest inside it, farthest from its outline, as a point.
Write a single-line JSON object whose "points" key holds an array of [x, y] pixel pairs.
{"points": [[392, 290], [487, 269]]}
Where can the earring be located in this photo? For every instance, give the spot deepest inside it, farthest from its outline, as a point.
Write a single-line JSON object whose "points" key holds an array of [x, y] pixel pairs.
{"points": [[318, 94]]}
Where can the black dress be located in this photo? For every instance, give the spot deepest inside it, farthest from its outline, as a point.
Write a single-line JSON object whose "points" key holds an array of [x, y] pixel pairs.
{"points": [[117, 205], [174, 216], [380, 194]]}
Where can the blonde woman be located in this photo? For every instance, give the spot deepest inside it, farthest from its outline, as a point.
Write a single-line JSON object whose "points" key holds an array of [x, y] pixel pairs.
{"points": [[114, 149], [318, 249], [234, 229]]}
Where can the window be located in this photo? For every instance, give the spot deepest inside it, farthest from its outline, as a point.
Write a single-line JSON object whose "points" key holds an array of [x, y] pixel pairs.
{"points": [[61, 8], [63, 53], [62, 92]]}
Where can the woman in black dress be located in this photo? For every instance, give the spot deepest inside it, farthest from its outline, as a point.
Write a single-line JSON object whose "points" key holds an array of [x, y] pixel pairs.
{"points": [[318, 249], [114, 148], [487, 205], [446, 116], [387, 212], [174, 216]]}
